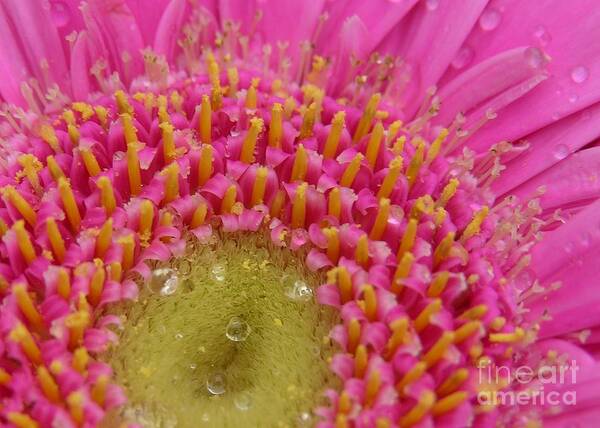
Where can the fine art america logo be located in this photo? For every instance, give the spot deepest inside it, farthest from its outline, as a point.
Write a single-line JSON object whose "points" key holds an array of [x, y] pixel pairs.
{"points": [[546, 385]]}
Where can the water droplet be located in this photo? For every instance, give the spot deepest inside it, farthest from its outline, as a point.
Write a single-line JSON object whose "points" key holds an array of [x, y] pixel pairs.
{"points": [[490, 19], [234, 132], [61, 15], [573, 98], [164, 281], [243, 401], [216, 383], [218, 272], [542, 35], [300, 291], [304, 419], [237, 330], [178, 336], [561, 151], [579, 74], [463, 57], [193, 366], [432, 4], [535, 57]]}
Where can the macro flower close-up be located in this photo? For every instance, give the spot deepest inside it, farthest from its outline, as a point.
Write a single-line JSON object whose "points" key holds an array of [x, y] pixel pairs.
{"points": [[310, 213]]}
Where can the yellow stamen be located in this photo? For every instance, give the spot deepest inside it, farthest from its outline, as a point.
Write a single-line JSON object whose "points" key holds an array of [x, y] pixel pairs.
{"points": [[351, 171], [364, 125], [393, 130], [21, 204], [402, 271], [102, 114], [333, 243], [415, 164], [75, 401], [341, 421], [449, 403], [205, 165], [116, 271], [516, 336], [63, 283], [453, 382], [128, 244], [382, 423], [438, 350], [205, 122], [344, 403], [276, 126], [370, 299], [73, 134], [251, 98], [438, 284], [249, 145], [426, 314], [308, 122], [466, 330], [443, 249], [398, 147], [333, 139], [426, 401], [23, 241], [56, 241], [411, 376], [229, 199], [475, 225], [3, 228], [48, 134], [69, 204], [408, 238], [199, 215], [90, 161], [497, 323], [69, 117], [23, 337], [374, 144], [146, 219], [234, 79], [474, 313], [373, 385], [387, 186], [277, 204], [288, 107], [104, 239], [107, 196], [54, 168], [31, 166], [299, 206], [99, 389], [361, 359], [344, 281], [399, 329], [168, 142], [439, 216], [27, 307], [128, 129], [381, 220], [133, 169], [435, 147], [123, 103], [84, 109], [80, 359], [48, 384], [335, 203], [353, 334], [361, 254], [300, 166], [171, 173], [260, 184], [423, 205], [77, 322], [447, 193], [5, 377], [21, 420], [97, 283]]}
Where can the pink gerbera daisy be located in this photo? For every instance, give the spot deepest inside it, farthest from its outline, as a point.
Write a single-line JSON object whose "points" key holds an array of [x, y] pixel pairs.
{"points": [[275, 213]]}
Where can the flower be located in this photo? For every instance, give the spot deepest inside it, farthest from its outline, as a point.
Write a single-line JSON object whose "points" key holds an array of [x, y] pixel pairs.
{"points": [[434, 159]]}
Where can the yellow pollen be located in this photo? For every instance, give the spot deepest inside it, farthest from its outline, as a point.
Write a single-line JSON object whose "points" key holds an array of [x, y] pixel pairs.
{"points": [[447, 193], [23, 337], [374, 144], [133, 169], [146, 219], [415, 164], [75, 401], [497, 323], [77, 322], [387, 186], [411, 376], [27, 307], [425, 403], [229, 199], [31, 166], [56, 241], [256, 126], [373, 385], [21, 204], [408, 237], [370, 299], [21, 420], [351, 171], [335, 133], [426, 314], [63, 283], [449, 403], [199, 215], [453, 382], [381, 219], [205, 165], [24, 242], [398, 147], [299, 206], [438, 284], [48, 384], [163, 114], [438, 350], [127, 242], [423, 205], [80, 359], [99, 389], [123, 103], [234, 79], [399, 329], [177, 102], [277, 204], [361, 254], [353, 335], [276, 126], [69, 117], [288, 107], [260, 184], [364, 125], [435, 147], [475, 226], [107, 196], [73, 134], [168, 142], [393, 130], [466, 330], [54, 168], [69, 204], [334, 207], [443, 249], [251, 98], [90, 161], [333, 243], [475, 313], [361, 359], [402, 271], [308, 122], [205, 122], [48, 134], [102, 114], [171, 173], [129, 130], [300, 166], [439, 217], [516, 336], [84, 109]]}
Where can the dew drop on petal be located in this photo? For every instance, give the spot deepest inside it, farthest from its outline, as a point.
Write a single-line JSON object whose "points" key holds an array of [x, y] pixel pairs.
{"points": [[579, 74], [243, 401], [60, 13], [490, 19], [463, 57], [560, 151], [216, 383], [237, 329], [218, 272], [432, 4], [542, 35], [164, 281], [573, 98], [535, 57]]}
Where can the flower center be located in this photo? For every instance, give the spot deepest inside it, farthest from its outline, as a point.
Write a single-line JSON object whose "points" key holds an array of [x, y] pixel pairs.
{"points": [[229, 335]]}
